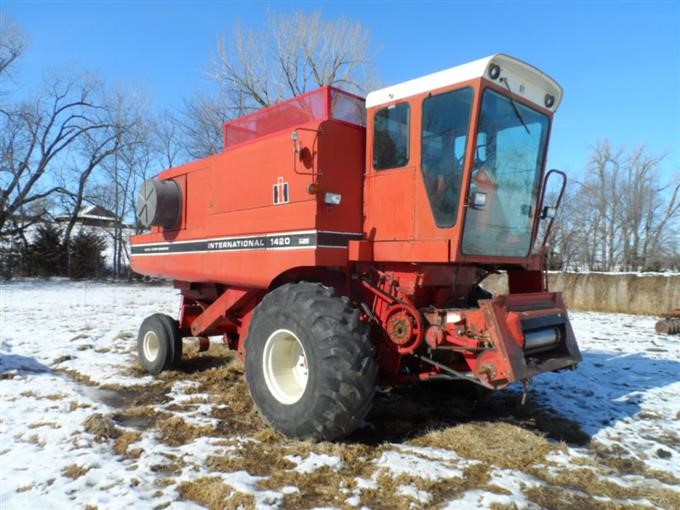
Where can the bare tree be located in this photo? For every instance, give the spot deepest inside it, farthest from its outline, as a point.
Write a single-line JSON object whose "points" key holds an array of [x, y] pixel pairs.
{"points": [[599, 191], [292, 54], [36, 135], [13, 42], [121, 120], [649, 220], [620, 216], [165, 138], [563, 248], [203, 121]]}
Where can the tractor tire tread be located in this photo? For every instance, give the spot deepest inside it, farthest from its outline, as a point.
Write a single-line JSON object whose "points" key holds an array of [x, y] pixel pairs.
{"points": [[347, 370]]}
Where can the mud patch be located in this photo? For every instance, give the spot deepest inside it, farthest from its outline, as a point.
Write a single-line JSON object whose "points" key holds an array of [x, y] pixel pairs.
{"points": [[130, 396]]}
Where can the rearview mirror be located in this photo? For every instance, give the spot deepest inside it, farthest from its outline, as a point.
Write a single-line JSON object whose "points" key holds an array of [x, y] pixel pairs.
{"points": [[554, 184]]}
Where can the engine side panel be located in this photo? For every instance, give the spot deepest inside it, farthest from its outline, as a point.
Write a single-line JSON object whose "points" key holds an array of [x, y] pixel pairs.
{"points": [[248, 214]]}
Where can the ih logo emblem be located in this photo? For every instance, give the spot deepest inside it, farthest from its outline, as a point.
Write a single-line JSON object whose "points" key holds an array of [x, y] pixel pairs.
{"points": [[281, 192]]}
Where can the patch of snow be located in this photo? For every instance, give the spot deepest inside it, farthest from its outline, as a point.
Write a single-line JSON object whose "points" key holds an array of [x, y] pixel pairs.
{"points": [[511, 480], [398, 462], [413, 491], [624, 394], [625, 391], [314, 461], [363, 483]]}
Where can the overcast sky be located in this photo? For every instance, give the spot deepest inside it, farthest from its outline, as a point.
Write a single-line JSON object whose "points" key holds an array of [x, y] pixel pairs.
{"points": [[618, 62]]}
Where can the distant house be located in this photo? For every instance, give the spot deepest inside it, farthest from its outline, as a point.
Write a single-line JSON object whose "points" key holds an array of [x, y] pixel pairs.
{"points": [[94, 216]]}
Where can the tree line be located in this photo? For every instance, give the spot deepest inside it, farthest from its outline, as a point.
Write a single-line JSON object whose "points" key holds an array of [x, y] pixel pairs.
{"points": [[78, 141], [619, 214]]}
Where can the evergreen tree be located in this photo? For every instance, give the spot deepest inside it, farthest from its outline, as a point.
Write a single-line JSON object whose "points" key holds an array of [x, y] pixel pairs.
{"points": [[86, 255]]}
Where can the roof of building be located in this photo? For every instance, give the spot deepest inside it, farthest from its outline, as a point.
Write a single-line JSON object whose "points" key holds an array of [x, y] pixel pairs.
{"points": [[96, 212], [91, 212]]}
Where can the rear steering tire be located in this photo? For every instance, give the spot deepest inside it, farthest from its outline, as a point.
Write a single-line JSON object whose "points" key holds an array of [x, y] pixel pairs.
{"points": [[159, 344], [310, 366]]}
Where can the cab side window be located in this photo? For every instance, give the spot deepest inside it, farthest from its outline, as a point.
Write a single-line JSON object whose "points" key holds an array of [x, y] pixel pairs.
{"points": [[391, 137]]}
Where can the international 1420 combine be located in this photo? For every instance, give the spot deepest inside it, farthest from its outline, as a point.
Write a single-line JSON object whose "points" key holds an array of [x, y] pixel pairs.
{"points": [[338, 243]]}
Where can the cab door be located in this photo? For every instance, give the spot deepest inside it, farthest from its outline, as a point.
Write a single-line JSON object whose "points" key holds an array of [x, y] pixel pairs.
{"points": [[390, 182], [443, 135]]}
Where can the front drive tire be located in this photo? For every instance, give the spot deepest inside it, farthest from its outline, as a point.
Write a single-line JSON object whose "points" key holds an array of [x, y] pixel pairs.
{"points": [[159, 344], [310, 365]]}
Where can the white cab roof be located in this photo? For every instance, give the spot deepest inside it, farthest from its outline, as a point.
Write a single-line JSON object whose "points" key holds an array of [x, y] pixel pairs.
{"points": [[523, 79]]}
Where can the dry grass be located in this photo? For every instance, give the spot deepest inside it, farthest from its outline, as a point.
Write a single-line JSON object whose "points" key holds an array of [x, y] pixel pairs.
{"points": [[617, 458], [101, 427], [74, 471], [50, 424], [124, 440], [169, 467], [61, 359], [213, 493], [323, 487], [256, 460], [40, 396], [496, 431], [503, 506], [441, 490], [33, 439], [78, 405], [662, 476], [175, 431], [502, 444], [556, 498], [593, 483], [77, 376]]}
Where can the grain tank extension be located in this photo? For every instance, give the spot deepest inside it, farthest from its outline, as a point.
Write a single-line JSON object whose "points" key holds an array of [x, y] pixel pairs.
{"points": [[339, 243]]}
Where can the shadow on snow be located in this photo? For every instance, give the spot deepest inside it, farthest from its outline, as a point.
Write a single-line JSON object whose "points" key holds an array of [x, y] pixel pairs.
{"points": [[22, 364]]}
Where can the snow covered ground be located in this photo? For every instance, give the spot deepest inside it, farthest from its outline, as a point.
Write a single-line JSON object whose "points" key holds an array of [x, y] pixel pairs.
{"points": [[82, 427]]}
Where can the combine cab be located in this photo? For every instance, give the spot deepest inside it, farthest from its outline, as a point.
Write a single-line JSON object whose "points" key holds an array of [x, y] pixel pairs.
{"points": [[337, 243]]}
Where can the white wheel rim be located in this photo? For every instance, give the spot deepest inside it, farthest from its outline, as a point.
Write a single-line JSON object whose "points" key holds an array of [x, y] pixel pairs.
{"points": [[151, 345], [284, 364]]}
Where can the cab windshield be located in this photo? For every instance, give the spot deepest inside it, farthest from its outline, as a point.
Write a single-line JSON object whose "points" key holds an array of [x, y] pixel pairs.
{"points": [[511, 142]]}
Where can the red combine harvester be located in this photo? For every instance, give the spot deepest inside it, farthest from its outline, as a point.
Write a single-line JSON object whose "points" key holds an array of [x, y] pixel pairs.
{"points": [[338, 242]]}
